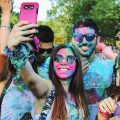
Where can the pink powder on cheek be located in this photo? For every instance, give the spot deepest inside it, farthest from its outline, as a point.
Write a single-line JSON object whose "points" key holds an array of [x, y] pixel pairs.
{"points": [[64, 74]]}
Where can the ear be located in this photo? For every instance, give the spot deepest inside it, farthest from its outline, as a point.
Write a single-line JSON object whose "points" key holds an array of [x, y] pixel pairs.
{"points": [[37, 43], [98, 39], [73, 41]]}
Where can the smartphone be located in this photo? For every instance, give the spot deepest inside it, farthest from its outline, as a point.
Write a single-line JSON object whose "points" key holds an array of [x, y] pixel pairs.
{"points": [[29, 12]]}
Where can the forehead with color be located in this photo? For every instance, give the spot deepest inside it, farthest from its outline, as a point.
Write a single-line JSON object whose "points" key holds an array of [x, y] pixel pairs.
{"points": [[65, 51], [84, 30]]}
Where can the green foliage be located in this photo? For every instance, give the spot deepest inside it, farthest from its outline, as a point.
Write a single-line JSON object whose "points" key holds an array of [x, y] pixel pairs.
{"points": [[104, 12], [14, 18]]}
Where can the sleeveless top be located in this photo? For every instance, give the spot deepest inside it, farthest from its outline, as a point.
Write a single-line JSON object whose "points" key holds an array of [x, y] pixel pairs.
{"points": [[72, 112]]}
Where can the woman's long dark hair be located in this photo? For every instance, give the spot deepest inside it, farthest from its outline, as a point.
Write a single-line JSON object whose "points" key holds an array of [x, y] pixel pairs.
{"points": [[114, 91], [76, 87]]}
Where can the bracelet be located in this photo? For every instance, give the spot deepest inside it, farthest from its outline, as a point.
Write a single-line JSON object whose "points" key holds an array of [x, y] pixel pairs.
{"points": [[6, 27]]}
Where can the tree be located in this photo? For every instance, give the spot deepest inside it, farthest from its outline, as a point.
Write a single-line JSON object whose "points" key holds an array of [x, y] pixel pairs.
{"points": [[104, 12]]}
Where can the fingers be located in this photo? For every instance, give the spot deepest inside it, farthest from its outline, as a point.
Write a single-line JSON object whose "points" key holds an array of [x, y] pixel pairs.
{"points": [[107, 105], [25, 39], [21, 23], [28, 26], [110, 103], [84, 63], [27, 32]]}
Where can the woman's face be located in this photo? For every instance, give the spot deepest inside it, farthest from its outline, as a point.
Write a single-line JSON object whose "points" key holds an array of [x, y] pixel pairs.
{"points": [[64, 63]]}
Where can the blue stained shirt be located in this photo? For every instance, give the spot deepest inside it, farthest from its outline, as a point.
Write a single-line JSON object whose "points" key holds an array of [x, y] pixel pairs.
{"points": [[44, 68], [16, 102], [96, 79]]}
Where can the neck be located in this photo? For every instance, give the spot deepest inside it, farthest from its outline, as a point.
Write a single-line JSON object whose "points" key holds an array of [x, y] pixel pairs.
{"points": [[91, 58], [65, 84]]}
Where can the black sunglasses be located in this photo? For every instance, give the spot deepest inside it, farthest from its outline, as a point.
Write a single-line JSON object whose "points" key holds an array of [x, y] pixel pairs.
{"points": [[89, 37], [117, 38], [69, 59], [48, 51]]}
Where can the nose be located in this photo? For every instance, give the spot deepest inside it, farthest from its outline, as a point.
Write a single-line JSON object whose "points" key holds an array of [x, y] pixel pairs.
{"points": [[63, 61], [84, 40]]}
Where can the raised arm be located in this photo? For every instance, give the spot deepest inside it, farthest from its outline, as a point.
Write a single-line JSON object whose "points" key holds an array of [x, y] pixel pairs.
{"points": [[20, 33], [34, 81], [6, 6]]}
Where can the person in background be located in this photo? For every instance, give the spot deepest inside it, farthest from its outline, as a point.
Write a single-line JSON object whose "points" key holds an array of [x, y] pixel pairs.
{"points": [[110, 107], [14, 101], [99, 73], [117, 38]]}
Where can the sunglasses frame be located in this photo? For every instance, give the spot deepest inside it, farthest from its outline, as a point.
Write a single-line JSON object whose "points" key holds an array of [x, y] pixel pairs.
{"points": [[84, 35], [64, 57]]}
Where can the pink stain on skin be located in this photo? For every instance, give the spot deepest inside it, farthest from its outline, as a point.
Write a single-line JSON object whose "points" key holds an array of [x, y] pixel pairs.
{"points": [[63, 69], [84, 30]]}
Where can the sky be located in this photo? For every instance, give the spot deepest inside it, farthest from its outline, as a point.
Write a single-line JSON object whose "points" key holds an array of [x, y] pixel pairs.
{"points": [[44, 5]]}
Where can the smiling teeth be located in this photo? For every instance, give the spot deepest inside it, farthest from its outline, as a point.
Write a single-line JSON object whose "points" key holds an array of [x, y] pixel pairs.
{"points": [[63, 69]]}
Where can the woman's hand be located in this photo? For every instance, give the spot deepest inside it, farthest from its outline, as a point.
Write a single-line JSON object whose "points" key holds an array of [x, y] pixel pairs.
{"points": [[108, 105], [84, 63], [20, 33]]}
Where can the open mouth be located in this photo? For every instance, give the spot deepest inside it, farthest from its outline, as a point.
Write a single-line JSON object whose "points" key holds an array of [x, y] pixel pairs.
{"points": [[84, 48], [63, 69]]}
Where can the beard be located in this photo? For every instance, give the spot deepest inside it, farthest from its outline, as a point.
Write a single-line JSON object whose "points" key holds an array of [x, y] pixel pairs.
{"points": [[86, 53]]}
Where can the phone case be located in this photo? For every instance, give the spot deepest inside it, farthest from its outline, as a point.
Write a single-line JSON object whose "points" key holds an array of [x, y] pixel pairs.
{"points": [[29, 12]]}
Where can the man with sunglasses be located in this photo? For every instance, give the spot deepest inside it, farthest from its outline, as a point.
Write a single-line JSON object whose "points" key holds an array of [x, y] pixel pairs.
{"points": [[99, 73], [45, 37]]}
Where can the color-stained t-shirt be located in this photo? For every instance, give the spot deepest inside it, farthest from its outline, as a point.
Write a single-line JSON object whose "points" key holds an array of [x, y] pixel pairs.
{"points": [[96, 79], [44, 68], [16, 102], [117, 111]]}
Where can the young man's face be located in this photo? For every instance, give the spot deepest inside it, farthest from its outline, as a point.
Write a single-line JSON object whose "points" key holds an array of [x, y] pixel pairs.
{"points": [[118, 40], [85, 40]]}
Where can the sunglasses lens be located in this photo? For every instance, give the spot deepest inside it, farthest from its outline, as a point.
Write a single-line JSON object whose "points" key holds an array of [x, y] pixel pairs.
{"points": [[57, 58], [117, 38], [70, 59], [90, 37], [48, 51], [79, 38]]}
